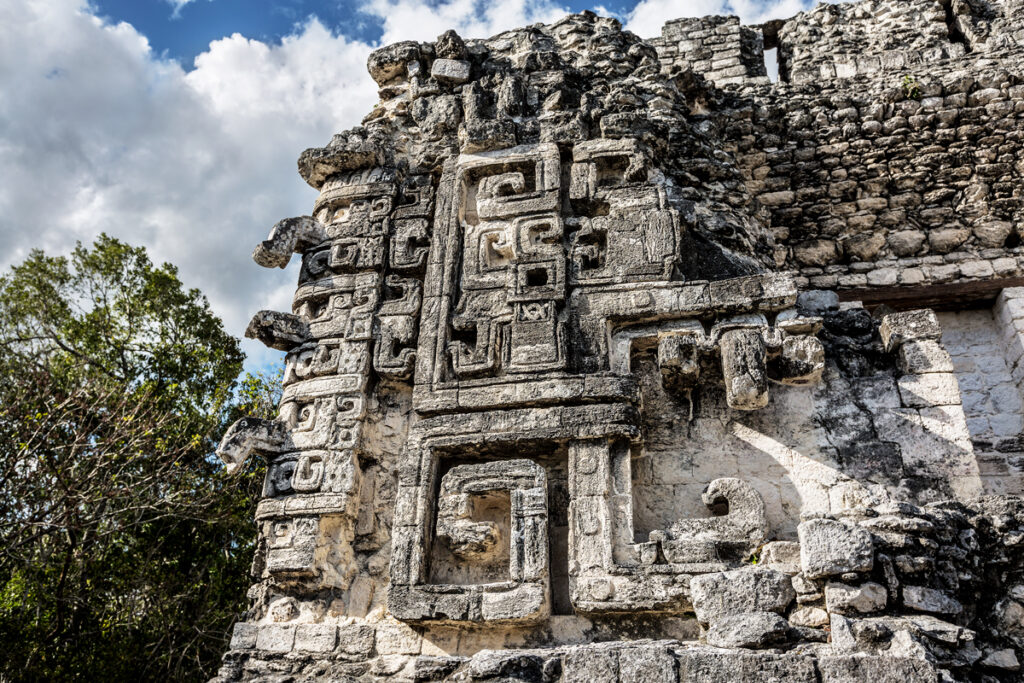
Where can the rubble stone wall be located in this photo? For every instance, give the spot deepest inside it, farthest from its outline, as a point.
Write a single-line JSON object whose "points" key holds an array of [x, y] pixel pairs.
{"points": [[866, 186], [719, 48], [889, 153], [850, 39]]}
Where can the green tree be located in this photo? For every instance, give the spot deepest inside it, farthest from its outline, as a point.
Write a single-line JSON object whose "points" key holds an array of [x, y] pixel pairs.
{"points": [[124, 548]]}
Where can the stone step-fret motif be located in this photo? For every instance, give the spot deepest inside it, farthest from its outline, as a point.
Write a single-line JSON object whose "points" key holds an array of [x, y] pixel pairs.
{"points": [[550, 379]]}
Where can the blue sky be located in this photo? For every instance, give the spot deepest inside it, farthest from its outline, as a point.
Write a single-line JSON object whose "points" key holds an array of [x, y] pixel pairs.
{"points": [[184, 31], [175, 124]]}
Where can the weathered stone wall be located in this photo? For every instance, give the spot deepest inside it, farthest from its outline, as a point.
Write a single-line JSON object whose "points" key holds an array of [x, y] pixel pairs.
{"points": [[562, 366], [874, 39], [992, 401], [866, 186], [991, 25], [875, 420], [719, 48], [887, 154]]}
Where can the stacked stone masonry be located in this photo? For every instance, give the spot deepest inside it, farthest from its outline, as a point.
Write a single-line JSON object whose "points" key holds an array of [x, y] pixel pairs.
{"points": [[615, 360]]}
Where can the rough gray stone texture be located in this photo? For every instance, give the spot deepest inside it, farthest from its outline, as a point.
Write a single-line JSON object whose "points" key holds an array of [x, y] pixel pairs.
{"points": [[876, 670], [738, 592], [781, 556], [741, 608], [899, 328], [925, 599], [753, 630], [450, 70], [864, 599], [603, 340], [830, 548]]}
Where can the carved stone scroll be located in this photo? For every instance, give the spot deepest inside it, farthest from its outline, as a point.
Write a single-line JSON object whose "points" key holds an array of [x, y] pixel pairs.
{"points": [[524, 594]]}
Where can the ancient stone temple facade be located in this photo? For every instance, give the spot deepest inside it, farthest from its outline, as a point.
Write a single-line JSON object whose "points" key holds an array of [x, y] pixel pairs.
{"points": [[615, 360]]}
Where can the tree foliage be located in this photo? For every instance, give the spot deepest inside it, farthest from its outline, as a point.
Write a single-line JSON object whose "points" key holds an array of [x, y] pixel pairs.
{"points": [[124, 548]]}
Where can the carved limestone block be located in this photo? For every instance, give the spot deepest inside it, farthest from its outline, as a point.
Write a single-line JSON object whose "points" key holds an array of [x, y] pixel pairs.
{"points": [[355, 210], [324, 413], [309, 553], [600, 163], [291, 546], [536, 337], [251, 435], [744, 369], [340, 306], [469, 539], [326, 357], [353, 254], [800, 357], [801, 360], [478, 353], [752, 352], [281, 331], [278, 481], [919, 325], [679, 357], [398, 318], [608, 571], [311, 472], [415, 197], [743, 524], [410, 243], [625, 229], [287, 237], [522, 594]]}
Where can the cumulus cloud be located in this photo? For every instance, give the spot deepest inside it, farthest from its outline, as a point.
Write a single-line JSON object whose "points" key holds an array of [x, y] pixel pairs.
{"points": [[104, 135], [419, 20], [647, 18]]}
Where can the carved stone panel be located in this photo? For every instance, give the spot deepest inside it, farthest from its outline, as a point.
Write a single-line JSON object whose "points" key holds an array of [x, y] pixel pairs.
{"points": [[517, 536]]}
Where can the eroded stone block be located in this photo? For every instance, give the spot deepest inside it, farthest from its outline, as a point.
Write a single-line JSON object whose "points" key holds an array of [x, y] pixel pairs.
{"points": [[316, 637], [450, 70], [898, 328], [846, 599], [830, 548], [925, 356], [753, 630], [740, 592]]}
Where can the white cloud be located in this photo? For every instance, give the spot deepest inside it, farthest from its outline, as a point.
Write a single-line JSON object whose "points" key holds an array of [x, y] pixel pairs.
{"points": [[106, 136], [419, 20], [647, 18], [178, 5], [759, 11]]}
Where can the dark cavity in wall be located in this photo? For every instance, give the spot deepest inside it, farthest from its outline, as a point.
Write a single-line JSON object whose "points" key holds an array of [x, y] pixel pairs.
{"points": [[955, 34]]}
